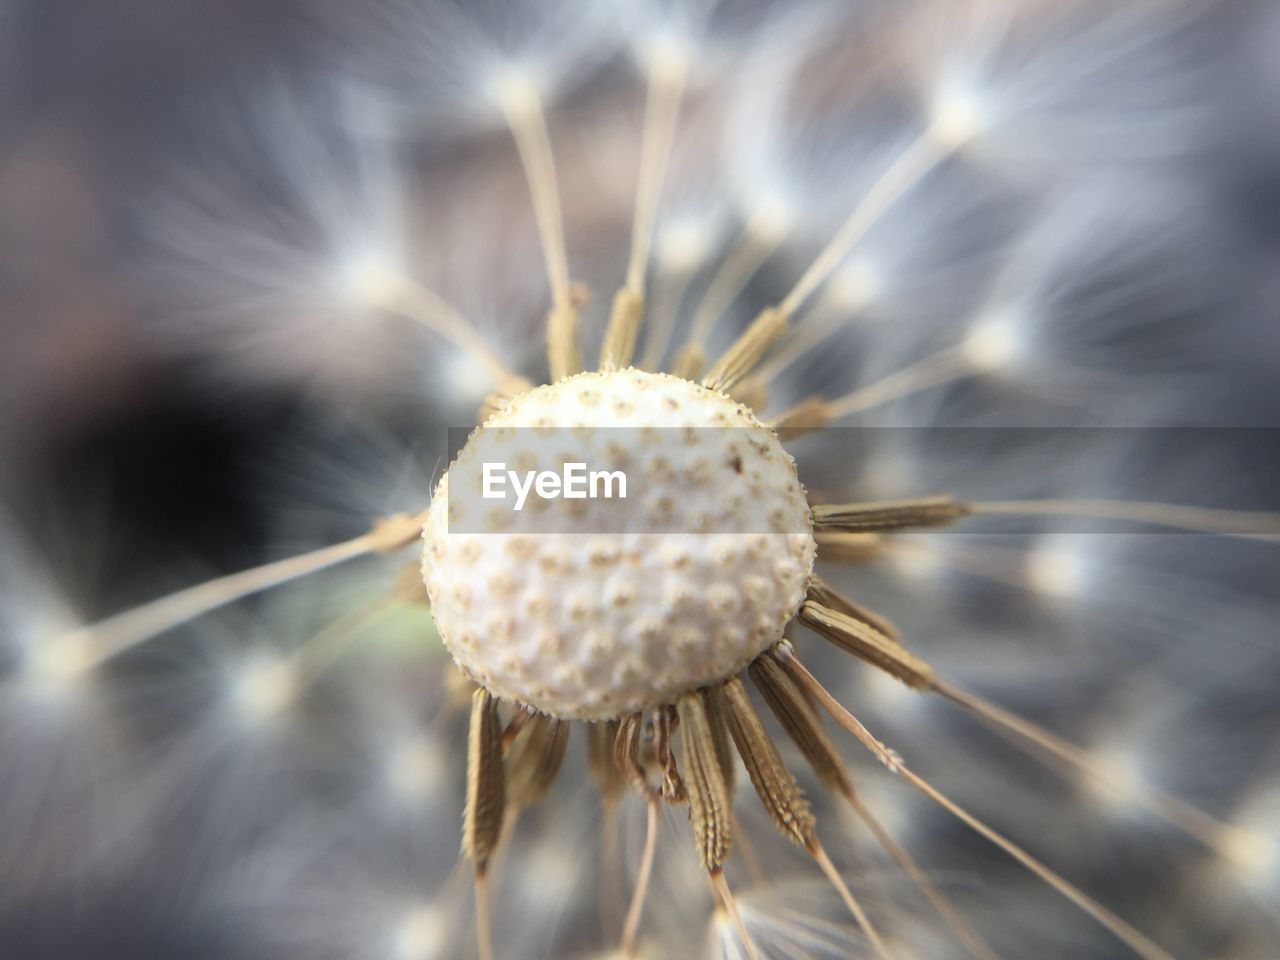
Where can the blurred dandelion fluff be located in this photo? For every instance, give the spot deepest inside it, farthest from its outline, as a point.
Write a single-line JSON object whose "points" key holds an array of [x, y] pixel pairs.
{"points": [[849, 229]]}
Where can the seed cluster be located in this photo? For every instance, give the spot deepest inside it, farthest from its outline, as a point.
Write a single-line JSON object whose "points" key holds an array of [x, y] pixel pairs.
{"points": [[593, 626]]}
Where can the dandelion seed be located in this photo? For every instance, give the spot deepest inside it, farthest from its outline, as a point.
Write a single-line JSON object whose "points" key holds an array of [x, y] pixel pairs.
{"points": [[445, 62], [992, 86]]}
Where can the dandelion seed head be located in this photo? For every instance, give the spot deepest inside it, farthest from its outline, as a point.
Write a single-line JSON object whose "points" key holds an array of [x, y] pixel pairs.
{"points": [[304, 279], [515, 624]]}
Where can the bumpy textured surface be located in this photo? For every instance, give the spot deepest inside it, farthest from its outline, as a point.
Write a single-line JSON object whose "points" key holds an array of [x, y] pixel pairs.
{"points": [[589, 625]]}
